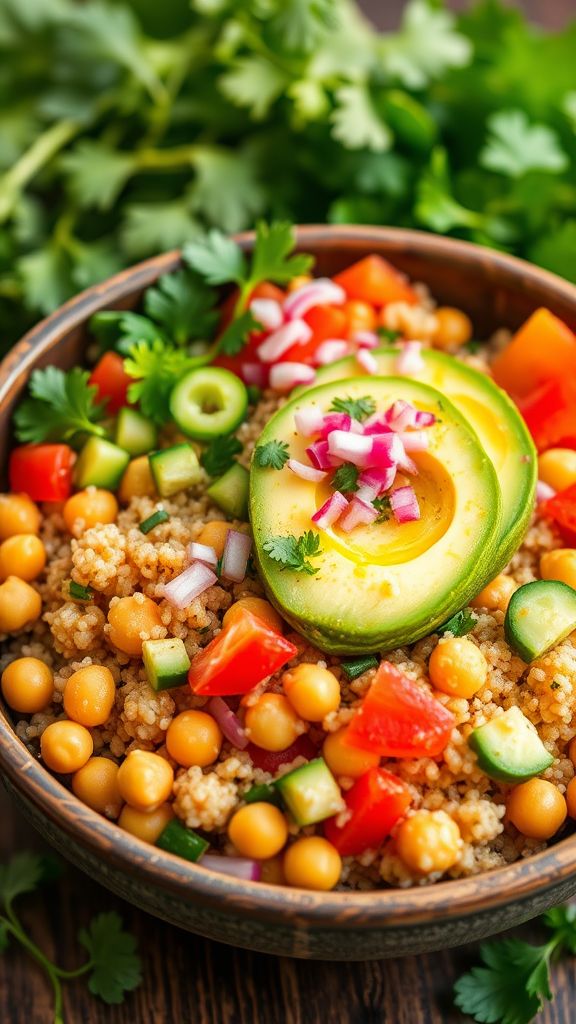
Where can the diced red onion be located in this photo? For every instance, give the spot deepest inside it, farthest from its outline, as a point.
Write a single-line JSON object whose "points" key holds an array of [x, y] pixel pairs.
{"points": [[424, 419], [400, 415], [186, 587], [543, 492], [407, 465], [367, 361], [415, 440], [351, 447], [229, 723], [239, 867], [202, 553], [359, 513], [255, 374], [330, 511], [366, 339], [404, 504], [297, 332], [409, 362], [285, 376], [356, 427], [367, 492], [375, 425], [320, 456], [331, 350], [309, 420], [235, 556], [267, 312], [306, 472], [335, 421], [320, 292], [380, 478], [387, 450]]}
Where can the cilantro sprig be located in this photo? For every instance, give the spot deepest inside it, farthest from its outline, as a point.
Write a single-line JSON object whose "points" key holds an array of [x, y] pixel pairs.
{"points": [[113, 966], [461, 623], [272, 455], [156, 370], [357, 408], [345, 478], [62, 406], [219, 455], [294, 552]]}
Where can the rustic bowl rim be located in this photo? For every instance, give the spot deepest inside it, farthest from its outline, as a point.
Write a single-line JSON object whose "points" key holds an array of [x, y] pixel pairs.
{"points": [[454, 898]]}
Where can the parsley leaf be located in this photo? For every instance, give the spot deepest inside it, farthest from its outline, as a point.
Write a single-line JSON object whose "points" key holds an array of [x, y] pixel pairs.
{"points": [[115, 965], [357, 123], [62, 406], [357, 408], [255, 83], [563, 921], [217, 258], [219, 455], [460, 623], [227, 188], [383, 507], [515, 146], [20, 875], [97, 173], [120, 329], [294, 552], [426, 46], [510, 987], [183, 305], [271, 259], [235, 336], [301, 24], [157, 368], [345, 479], [273, 454]]}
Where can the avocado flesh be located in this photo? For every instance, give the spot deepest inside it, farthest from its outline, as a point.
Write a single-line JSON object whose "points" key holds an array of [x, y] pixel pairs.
{"points": [[494, 418], [386, 584]]}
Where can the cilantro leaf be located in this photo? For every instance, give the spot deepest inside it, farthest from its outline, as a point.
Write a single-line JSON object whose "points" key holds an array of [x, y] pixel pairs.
{"points": [[515, 146], [255, 83], [62, 406], [156, 369], [235, 335], [426, 46], [116, 967], [460, 623], [273, 455], [563, 921], [183, 305], [383, 507], [227, 188], [357, 123], [357, 408], [148, 228], [120, 329], [345, 479], [294, 552], [436, 206], [509, 988], [219, 455], [271, 259], [301, 24], [97, 173], [22, 874], [217, 258]]}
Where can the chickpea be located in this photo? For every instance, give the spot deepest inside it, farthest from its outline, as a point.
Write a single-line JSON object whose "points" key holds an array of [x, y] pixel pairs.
{"points": [[496, 594], [18, 514], [194, 738], [133, 620], [360, 316], [137, 481], [258, 830], [22, 555], [458, 667], [453, 329], [298, 282], [66, 746], [537, 808], [258, 606], [557, 565], [572, 751], [313, 691], [96, 785], [312, 863], [89, 695], [272, 723], [344, 759], [571, 798], [27, 685], [145, 780], [214, 534], [89, 508], [147, 826], [557, 468], [429, 841], [20, 604]]}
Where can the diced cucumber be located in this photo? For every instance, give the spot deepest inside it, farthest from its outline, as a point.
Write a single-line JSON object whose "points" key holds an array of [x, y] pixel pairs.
{"points": [[310, 793], [263, 793], [509, 748], [100, 464], [136, 434], [166, 663], [209, 402], [182, 841], [174, 469], [230, 492], [540, 615]]}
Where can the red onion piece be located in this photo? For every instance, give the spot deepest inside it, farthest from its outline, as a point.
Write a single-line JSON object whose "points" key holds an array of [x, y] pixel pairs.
{"points": [[366, 361], [331, 350], [235, 556], [320, 456], [330, 511], [186, 587], [239, 867], [387, 450], [407, 465], [267, 312], [255, 374], [228, 722], [400, 415], [335, 421], [351, 447], [415, 440], [409, 362], [367, 493], [359, 513], [366, 339], [285, 376], [309, 420], [202, 553], [380, 478], [297, 332], [404, 504], [424, 419], [543, 492], [306, 472], [376, 425], [321, 292]]}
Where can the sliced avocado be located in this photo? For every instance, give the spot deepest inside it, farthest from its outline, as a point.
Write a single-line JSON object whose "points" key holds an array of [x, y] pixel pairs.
{"points": [[539, 616], [509, 748], [385, 584], [310, 793], [166, 663], [495, 419]]}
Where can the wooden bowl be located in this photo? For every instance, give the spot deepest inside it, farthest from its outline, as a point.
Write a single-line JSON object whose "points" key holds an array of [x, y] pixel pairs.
{"points": [[496, 290]]}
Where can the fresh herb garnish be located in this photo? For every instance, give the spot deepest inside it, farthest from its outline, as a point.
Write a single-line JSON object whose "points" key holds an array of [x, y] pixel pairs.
{"points": [[156, 369], [272, 455], [219, 455], [120, 329], [235, 336], [357, 408], [460, 623], [387, 334], [384, 509], [294, 552], [345, 478], [183, 307], [157, 517], [62, 406], [77, 592], [358, 666]]}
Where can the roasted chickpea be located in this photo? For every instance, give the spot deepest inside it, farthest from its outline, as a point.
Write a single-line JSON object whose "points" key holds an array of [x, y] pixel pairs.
{"points": [[96, 785], [312, 690], [537, 808], [214, 535], [22, 555], [20, 604], [312, 863], [272, 723], [18, 514], [145, 780], [453, 329], [258, 606], [27, 685], [458, 667], [133, 620], [194, 738], [496, 594], [557, 468], [344, 759], [65, 746], [137, 481], [557, 565], [429, 841], [89, 695], [258, 830], [146, 825], [89, 508]]}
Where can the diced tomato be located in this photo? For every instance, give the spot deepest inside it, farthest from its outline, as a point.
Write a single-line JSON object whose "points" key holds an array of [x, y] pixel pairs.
{"points": [[562, 510], [270, 760], [112, 381], [543, 349], [375, 281], [375, 803], [397, 718], [550, 414], [42, 471], [326, 322], [240, 657]]}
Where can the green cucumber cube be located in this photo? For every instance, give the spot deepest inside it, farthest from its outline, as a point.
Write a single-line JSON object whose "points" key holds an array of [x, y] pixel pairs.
{"points": [[310, 792], [136, 434], [100, 464], [230, 492], [182, 841], [166, 663], [174, 469], [509, 748], [539, 616]]}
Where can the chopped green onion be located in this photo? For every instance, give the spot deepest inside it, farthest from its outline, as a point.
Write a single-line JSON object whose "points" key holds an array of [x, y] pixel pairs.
{"points": [[357, 666], [460, 623], [160, 516], [182, 841], [264, 792], [79, 593]]}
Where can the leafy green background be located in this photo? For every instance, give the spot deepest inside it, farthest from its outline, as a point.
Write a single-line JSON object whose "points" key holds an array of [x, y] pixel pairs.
{"points": [[127, 128]]}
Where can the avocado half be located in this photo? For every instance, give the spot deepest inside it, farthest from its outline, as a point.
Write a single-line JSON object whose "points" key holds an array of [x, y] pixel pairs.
{"points": [[386, 584], [495, 419]]}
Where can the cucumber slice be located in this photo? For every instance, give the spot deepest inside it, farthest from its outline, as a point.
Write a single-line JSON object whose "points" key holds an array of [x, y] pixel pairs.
{"points": [[182, 841], [263, 793], [310, 793], [166, 663], [134, 432], [509, 748], [209, 402], [539, 616], [100, 464], [174, 469], [230, 492]]}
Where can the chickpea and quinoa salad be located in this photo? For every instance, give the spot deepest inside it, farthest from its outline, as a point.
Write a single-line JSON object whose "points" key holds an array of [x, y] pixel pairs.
{"points": [[280, 594]]}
